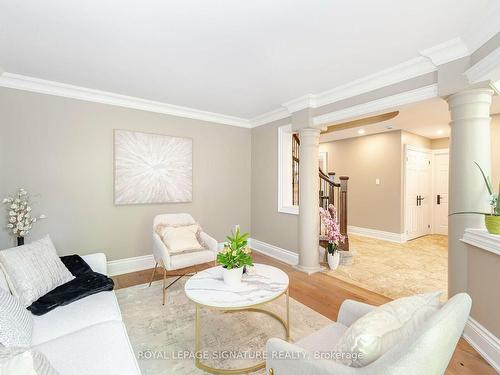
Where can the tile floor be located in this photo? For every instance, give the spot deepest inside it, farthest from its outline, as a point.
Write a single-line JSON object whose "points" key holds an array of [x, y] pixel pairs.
{"points": [[397, 270]]}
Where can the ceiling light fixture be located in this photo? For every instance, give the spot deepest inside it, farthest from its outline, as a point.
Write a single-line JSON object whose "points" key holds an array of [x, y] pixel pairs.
{"points": [[361, 131], [440, 132], [389, 127]]}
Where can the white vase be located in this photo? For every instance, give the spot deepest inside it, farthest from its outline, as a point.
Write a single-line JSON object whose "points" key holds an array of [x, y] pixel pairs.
{"points": [[333, 260], [233, 276]]}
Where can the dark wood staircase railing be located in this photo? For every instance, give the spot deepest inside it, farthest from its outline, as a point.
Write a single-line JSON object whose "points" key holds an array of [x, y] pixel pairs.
{"points": [[330, 192]]}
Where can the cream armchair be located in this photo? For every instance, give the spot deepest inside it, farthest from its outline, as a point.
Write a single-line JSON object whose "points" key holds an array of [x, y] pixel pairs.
{"points": [[428, 351], [172, 262]]}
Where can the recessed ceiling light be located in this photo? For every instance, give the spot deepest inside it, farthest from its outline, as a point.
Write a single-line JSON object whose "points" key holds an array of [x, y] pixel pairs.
{"points": [[361, 131], [440, 132], [389, 127]]}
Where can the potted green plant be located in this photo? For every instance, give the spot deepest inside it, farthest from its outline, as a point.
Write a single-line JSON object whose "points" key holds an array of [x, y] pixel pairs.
{"points": [[234, 257], [491, 219]]}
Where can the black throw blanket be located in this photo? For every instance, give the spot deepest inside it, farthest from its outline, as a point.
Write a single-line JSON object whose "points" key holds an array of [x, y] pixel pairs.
{"points": [[85, 283]]}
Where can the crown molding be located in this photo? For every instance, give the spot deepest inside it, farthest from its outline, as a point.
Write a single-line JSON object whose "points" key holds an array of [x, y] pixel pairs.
{"points": [[427, 62], [268, 117], [409, 69], [407, 97], [485, 69], [443, 53], [20, 82]]}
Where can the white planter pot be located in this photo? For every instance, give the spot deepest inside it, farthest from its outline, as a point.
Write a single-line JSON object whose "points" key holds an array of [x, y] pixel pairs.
{"points": [[333, 260], [233, 276]]}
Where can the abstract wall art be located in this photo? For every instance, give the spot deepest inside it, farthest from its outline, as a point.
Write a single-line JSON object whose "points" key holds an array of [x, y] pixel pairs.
{"points": [[152, 168]]}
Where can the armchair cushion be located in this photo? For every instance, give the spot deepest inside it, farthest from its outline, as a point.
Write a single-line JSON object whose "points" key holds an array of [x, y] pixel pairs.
{"points": [[180, 238], [384, 327], [323, 340]]}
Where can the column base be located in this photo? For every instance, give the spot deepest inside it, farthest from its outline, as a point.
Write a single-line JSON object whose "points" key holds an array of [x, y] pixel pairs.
{"points": [[309, 270]]}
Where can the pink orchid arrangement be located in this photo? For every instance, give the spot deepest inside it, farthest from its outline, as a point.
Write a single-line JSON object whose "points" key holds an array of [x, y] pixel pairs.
{"points": [[332, 228]]}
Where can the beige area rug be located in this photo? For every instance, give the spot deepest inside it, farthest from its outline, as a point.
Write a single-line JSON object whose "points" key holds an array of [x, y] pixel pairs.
{"points": [[397, 270], [163, 336]]}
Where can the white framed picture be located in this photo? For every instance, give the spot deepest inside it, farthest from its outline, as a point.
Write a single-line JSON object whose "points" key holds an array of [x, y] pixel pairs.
{"points": [[152, 168]]}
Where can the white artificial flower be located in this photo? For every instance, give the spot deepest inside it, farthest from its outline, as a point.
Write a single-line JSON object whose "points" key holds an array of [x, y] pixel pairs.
{"points": [[12, 219], [13, 206], [22, 233], [12, 213], [20, 226], [33, 220], [28, 208], [17, 200], [7, 200], [10, 225]]}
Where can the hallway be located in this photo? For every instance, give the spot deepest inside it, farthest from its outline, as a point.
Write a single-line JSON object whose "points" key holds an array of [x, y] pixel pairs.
{"points": [[397, 270]]}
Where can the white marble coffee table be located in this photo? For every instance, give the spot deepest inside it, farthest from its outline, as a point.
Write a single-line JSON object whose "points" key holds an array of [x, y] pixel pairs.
{"points": [[261, 285]]}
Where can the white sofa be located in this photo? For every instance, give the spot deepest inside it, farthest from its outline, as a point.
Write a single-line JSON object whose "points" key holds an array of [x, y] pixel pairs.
{"points": [[427, 352], [86, 337]]}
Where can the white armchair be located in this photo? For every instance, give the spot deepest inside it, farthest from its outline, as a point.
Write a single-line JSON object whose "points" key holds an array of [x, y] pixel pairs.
{"points": [[172, 262], [427, 351]]}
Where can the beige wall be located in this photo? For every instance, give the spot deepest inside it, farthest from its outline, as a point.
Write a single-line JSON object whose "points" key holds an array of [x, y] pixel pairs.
{"points": [[61, 150], [483, 280], [483, 267], [365, 159], [440, 143], [269, 225], [415, 140]]}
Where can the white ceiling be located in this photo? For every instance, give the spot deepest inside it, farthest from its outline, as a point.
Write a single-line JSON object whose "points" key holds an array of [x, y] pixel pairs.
{"points": [[429, 119], [239, 58]]}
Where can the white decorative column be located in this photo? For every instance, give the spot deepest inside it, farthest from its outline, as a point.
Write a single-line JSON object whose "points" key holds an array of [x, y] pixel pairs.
{"points": [[309, 201], [469, 143]]}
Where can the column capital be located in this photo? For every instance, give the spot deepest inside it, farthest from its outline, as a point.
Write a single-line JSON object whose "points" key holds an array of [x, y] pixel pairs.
{"points": [[470, 103], [311, 132], [471, 95]]}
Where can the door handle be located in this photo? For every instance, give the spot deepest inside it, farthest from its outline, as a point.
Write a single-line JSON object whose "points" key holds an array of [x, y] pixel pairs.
{"points": [[438, 199]]}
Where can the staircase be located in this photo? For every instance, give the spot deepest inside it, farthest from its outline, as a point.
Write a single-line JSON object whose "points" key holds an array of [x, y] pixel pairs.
{"points": [[330, 192]]}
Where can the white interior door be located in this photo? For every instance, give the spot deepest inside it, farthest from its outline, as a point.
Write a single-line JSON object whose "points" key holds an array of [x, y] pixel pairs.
{"points": [[418, 190], [440, 199]]}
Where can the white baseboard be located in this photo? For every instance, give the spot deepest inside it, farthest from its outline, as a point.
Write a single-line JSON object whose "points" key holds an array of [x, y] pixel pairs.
{"points": [[484, 342], [276, 252], [378, 234], [127, 265]]}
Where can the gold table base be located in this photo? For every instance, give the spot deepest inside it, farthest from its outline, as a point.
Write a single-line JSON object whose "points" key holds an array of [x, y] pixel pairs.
{"points": [[255, 308]]}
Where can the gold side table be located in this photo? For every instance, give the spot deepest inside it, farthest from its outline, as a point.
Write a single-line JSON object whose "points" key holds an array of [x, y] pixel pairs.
{"points": [[263, 285]]}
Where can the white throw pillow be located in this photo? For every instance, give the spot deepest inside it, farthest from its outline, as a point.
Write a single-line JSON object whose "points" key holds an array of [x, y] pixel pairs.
{"points": [[384, 327], [179, 239], [16, 323], [33, 270], [17, 361], [3, 281]]}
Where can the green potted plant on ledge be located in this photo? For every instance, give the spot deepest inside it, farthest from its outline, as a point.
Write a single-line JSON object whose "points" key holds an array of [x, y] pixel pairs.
{"points": [[491, 219], [234, 257]]}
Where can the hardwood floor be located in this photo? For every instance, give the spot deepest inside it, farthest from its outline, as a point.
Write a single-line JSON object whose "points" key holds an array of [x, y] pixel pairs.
{"points": [[325, 294]]}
